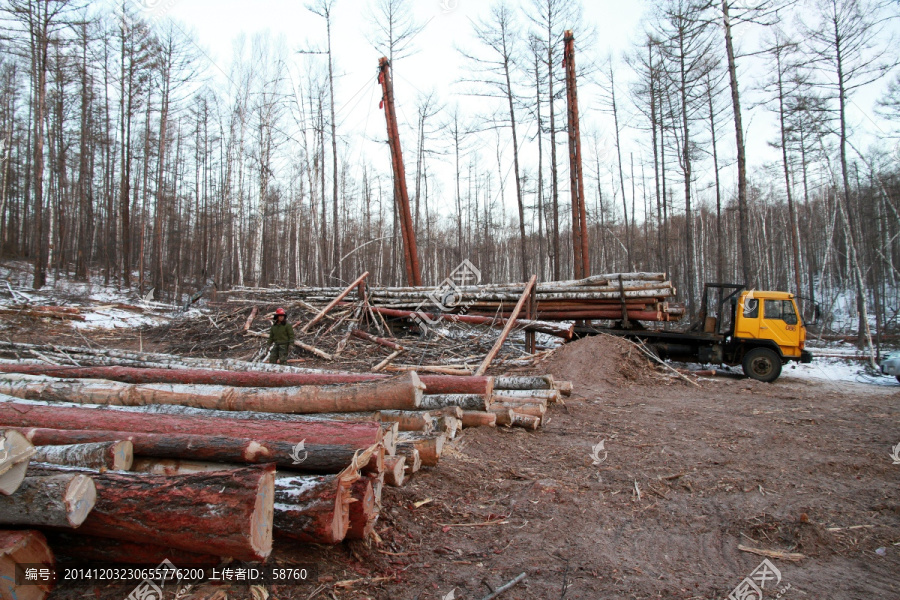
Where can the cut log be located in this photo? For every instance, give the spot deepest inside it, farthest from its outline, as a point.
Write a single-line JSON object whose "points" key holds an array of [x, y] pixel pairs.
{"points": [[20, 548], [556, 329], [448, 426], [408, 420], [39, 314], [400, 392], [525, 421], [524, 408], [223, 513], [394, 470], [313, 509], [116, 455], [511, 395], [476, 418], [413, 460], [308, 508], [504, 415], [537, 382], [363, 511], [448, 411], [221, 449], [51, 501], [429, 447], [25, 414], [79, 548], [15, 453], [464, 401], [564, 387]]}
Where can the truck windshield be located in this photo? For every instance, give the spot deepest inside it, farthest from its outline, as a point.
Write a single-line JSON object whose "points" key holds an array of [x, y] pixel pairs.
{"points": [[782, 310]]}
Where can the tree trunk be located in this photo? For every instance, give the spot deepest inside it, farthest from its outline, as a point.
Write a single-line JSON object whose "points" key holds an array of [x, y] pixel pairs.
{"points": [[400, 392], [429, 447], [358, 435], [50, 501], [743, 216], [224, 513]]}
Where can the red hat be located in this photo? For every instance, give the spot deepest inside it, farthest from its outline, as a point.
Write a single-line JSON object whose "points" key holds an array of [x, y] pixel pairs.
{"points": [[280, 311]]}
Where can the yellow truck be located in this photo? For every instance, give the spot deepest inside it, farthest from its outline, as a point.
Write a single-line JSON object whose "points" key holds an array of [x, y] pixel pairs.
{"points": [[759, 330]]}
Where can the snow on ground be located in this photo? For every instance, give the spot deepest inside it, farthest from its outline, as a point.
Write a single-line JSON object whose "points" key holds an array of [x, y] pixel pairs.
{"points": [[836, 370], [103, 306]]}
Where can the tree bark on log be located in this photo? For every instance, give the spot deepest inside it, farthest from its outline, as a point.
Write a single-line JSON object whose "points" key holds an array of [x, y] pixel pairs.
{"points": [[223, 513], [536, 382], [51, 501], [23, 414], [17, 452], [429, 447], [524, 408], [308, 508], [476, 418], [504, 415], [117, 455], [394, 470], [19, 548], [220, 449], [555, 329], [434, 384], [408, 420], [525, 421], [464, 401], [400, 392], [313, 509]]}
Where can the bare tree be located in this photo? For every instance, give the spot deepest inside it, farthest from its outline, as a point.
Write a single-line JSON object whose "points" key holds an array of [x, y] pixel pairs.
{"points": [[494, 79], [844, 44]]}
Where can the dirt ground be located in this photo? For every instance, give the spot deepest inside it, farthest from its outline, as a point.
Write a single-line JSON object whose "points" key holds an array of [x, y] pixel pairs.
{"points": [[687, 474]]}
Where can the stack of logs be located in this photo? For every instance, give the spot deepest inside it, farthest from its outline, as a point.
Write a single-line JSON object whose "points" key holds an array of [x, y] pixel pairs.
{"points": [[142, 464], [643, 296]]}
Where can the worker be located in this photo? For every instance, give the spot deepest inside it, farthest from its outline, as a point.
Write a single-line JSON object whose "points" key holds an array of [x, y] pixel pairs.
{"points": [[281, 336]]}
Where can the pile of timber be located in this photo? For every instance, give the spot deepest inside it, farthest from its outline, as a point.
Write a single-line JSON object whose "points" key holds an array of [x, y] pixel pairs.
{"points": [[112, 463], [640, 296]]}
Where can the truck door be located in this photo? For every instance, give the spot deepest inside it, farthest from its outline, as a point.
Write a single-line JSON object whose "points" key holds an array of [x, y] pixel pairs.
{"points": [[780, 324], [746, 323]]}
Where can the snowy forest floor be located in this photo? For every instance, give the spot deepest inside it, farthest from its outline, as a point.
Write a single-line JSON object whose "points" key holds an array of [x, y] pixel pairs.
{"points": [[688, 474]]}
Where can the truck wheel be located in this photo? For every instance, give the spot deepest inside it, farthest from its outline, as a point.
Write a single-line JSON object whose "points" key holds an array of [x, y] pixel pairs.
{"points": [[762, 364], [898, 378]]}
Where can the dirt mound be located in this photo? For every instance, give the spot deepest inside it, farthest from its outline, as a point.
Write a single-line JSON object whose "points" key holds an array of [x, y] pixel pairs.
{"points": [[602, 362]]}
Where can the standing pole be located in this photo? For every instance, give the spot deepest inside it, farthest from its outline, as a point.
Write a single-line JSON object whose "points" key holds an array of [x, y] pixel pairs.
{"points": [[401, 195], [579, 213]]}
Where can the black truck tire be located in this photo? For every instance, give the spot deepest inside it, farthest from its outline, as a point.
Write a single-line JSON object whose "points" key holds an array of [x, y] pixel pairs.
{"points": [[898, 378], [762, 364]]}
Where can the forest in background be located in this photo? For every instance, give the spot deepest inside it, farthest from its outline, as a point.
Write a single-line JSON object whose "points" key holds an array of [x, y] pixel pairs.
{"points": [[117, 154]]}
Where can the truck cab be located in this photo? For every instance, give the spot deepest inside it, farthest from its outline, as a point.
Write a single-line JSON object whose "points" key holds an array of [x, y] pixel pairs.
{"points": [[768, 332]]}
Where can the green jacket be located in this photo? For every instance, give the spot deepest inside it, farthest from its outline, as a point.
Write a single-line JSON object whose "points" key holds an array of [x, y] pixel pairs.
{"points": [[281, 333]]}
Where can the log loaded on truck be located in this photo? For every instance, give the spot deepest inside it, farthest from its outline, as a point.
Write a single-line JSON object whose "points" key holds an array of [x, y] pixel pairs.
{"points": [[761, 331]]}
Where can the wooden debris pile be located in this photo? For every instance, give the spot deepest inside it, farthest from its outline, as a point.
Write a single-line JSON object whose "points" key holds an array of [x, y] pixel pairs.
{"points": [[124, 456]]}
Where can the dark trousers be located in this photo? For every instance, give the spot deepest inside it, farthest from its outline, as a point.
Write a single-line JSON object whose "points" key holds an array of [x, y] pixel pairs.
{"points": [[279, 353]]}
